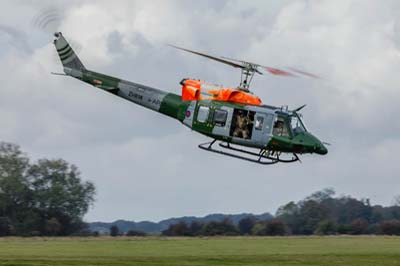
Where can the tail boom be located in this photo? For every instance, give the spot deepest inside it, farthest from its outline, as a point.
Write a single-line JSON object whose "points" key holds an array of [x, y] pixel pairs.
{"points": [[158, 100]]}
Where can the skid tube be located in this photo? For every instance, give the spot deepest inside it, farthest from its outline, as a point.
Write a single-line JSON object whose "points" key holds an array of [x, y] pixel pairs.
{"points": [[264, 157]]}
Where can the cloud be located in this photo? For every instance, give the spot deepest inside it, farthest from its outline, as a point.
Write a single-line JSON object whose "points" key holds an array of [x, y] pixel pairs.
{"points": [[149, 165]]}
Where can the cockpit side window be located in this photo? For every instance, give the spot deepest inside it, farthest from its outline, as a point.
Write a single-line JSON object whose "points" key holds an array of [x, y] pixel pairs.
{"points": [[280, 128]]}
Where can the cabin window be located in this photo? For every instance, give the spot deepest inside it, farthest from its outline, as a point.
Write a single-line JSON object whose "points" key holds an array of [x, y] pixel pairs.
{"points": [[202, 114], [220, 117], [259, 123]]}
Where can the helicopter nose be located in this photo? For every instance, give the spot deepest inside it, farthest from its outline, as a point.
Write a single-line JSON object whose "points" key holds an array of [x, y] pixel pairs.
{"points": [[308, 143], [321, 149]]}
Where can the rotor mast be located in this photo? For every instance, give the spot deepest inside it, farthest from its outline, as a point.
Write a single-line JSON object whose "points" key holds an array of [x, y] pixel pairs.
{"points": [[247, 75]]}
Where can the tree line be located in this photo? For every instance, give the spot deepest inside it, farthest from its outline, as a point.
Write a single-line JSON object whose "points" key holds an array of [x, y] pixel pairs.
{"points": [[320, 213], [43, 198], [48, 198], [246, 226]]}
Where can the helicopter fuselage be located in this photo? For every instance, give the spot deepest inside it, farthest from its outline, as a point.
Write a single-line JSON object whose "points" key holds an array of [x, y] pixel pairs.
{"points": [[256, 126], [232, 120]]}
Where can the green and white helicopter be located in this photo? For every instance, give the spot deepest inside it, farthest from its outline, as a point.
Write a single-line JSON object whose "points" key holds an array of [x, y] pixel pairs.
{"points": [[244, 127]]}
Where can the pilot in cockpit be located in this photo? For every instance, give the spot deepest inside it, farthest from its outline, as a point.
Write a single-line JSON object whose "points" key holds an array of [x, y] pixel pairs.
{"points": [[278, 128]]}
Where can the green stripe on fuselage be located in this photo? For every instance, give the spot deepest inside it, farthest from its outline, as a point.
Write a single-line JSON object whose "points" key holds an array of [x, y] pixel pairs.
{"points": [[173, 106], [107, 82]]}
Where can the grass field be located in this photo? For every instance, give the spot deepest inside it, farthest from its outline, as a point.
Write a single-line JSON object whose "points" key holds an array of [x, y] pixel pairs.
{"points": [[350, 251]]}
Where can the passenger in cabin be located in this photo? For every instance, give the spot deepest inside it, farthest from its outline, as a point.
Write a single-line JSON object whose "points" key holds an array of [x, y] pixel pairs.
{"points": [[242, 126]]}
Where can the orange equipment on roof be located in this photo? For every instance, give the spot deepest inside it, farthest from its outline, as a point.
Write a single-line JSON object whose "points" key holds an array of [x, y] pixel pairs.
{"points": [[194, 90]]}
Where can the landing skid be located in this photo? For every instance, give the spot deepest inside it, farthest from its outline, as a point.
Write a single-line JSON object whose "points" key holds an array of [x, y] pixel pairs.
{"points": [[264, 156]]}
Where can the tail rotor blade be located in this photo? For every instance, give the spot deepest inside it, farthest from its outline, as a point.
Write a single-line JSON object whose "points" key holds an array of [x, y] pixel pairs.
{"points": [[48, 21]]}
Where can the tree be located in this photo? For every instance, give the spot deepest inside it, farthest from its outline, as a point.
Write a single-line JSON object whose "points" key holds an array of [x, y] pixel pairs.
{"points": [[58, 188], [303, 217], [391, 227], [344, 229], [310, 214], [59, 193], [135, 233], [114, 231], [246, 224], [349, 209], [47, 197], [53, 227], [377, 214], [16, 203], [289, 215], [178, 229], [13, 163], [287, 210], [322, 195], [326, 227], [225, 227], [5, 229], [196, 228], [259, 229], [359, 226], [275, 227]]}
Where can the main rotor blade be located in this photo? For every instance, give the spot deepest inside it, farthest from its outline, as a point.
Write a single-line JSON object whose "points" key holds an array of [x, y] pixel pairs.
{"points": [[304, 73], [292, 72], [278, 72], [254, 66], [271, 70], [218, 59]]}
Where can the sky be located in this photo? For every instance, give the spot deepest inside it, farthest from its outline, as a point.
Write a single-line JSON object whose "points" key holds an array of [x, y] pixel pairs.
{"points": [[146, 166]]}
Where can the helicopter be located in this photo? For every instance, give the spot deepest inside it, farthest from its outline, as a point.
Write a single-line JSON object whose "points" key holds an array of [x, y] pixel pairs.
{"points": [[235, 118]]}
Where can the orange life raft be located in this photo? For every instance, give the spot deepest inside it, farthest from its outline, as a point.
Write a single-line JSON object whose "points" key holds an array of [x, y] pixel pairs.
{"points": [[195, 90]]}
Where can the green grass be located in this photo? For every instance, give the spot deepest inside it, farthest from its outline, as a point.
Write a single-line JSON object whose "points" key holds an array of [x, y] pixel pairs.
{"points": [[247, 251]]}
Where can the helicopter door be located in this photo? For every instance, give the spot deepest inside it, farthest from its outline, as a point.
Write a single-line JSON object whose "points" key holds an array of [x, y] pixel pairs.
{"points": [[262, 127]]}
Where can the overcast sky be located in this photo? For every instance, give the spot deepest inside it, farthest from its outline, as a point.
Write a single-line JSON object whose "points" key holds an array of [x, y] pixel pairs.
{"points": [[147, 166]]}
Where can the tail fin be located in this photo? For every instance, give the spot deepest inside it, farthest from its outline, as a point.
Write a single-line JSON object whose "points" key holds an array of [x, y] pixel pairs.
{"points": [[67, 55]]}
